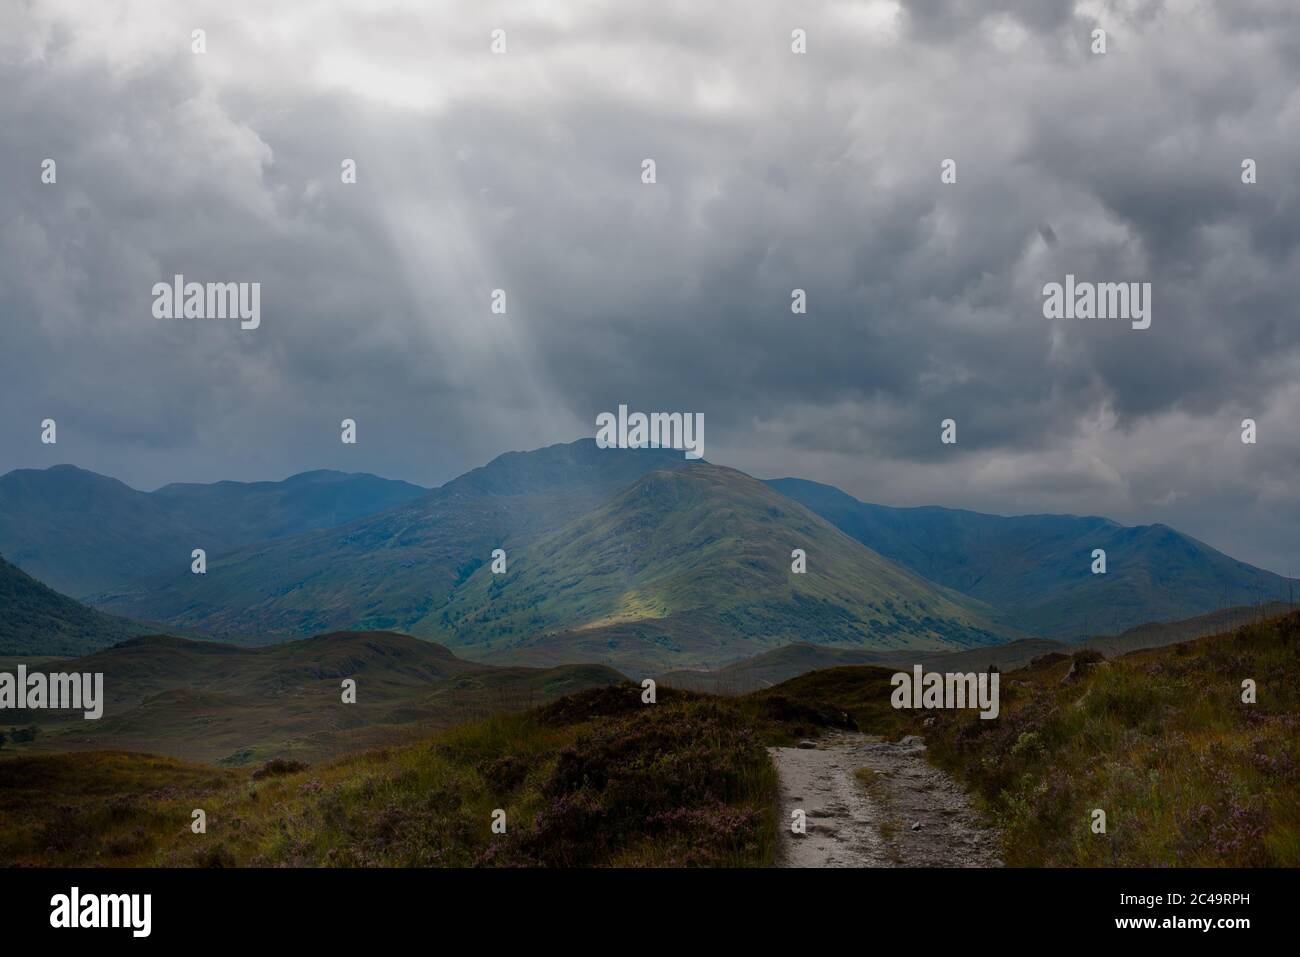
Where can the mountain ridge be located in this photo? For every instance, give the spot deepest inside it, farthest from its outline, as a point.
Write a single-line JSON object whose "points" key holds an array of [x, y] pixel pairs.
{"points": [[714, 543], [1037, 568], [645, 559], [80, 532]]}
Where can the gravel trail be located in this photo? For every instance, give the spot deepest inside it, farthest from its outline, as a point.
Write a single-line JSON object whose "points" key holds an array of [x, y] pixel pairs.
{"points": [[901, 812]]}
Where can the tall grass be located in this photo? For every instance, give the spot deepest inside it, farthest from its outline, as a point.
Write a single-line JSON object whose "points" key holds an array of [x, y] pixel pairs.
{"points": [[1161, 741]]}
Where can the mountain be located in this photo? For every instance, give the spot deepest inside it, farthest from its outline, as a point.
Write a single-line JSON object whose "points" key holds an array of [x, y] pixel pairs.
{"points": [[216, 702], [35, 619], [636, 558], [711, 546], [82, 533], [393, 569], [260, 511], [1036, 569], [598, 541]]}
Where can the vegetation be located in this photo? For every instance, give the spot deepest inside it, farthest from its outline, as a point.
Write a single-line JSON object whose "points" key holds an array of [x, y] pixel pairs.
{"points": [[207, 701], [853, 698], [598, 780], [38, 620], [1187, 774], [704, 554]]}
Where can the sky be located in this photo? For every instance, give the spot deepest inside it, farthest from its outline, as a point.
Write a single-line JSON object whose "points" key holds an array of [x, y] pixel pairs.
{"points": [[774, 170]]}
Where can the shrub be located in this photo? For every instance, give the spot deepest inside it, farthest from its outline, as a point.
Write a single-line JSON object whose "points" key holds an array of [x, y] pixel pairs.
{"points": [[279, 766]]}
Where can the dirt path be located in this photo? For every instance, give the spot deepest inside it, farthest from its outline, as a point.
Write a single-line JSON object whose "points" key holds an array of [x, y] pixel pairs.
{"points": [[901, 812]]}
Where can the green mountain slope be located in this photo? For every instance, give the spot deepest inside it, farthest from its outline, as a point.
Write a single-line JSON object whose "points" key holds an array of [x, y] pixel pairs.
{"points": [[35, 619], [712, 546], [82, 533], [1036, 569]]}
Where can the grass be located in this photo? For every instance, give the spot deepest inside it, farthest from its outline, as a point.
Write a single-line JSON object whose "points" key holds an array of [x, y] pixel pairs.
{"points": [[101, 808], [222, 704], [1187, 774], [596, 780]]}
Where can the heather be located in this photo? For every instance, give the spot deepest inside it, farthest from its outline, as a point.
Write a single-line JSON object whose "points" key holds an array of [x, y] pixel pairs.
{"points": [[1187, 774]]}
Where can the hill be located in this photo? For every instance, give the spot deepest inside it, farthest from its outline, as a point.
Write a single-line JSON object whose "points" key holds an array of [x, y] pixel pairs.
{"points": [[789, 661], [711, 545], [81, 533], [1159, 633], [35, 619], [1187, 773], [1036, 569], [214, 702]]}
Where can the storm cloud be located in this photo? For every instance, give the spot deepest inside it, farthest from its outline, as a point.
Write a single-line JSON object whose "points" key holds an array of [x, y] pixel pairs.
{"points": [[775, 171]]}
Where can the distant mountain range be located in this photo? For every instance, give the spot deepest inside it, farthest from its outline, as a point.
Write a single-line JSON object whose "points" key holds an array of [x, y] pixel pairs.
{"points": [[635, 558], [79, 532], [1037, 568], [595, 539]]}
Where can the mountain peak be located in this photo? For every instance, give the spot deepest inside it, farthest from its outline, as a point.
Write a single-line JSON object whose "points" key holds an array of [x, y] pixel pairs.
{"points": [[63, 476], [565, 465]]}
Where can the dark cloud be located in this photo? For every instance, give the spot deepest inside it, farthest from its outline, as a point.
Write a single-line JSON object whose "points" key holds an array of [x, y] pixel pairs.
{"points": [[775, 172]]}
